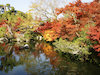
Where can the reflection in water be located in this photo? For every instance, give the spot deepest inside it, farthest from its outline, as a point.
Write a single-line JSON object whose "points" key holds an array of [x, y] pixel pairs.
{"points": [[39, 59]]}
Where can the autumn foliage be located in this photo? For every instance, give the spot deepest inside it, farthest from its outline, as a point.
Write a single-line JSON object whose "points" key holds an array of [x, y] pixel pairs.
{"points": [[19, 21], [4, 23], [59, 28], [79, 14], [76, 17]]}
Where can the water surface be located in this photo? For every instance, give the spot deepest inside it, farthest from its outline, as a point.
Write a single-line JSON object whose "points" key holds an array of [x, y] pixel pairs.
{"points": [[40, 59]]}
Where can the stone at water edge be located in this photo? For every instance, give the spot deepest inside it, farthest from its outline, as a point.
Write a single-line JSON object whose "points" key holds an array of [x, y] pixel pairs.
{"points": [[39, 37], [26, 46]]}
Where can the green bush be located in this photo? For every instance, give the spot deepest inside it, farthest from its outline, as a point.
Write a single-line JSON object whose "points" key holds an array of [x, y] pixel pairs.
{"points": [[77, 47], [2, 31]]}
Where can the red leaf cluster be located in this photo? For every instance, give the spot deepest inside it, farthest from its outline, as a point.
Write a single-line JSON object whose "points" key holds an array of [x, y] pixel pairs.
{"points": [[2, 23], [63, 27], [85, 12], [44, 27], [19, 20], [94, 36]]}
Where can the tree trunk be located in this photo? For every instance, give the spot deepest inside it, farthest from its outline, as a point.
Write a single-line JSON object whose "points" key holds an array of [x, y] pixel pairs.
{"points": [[9, 30]]}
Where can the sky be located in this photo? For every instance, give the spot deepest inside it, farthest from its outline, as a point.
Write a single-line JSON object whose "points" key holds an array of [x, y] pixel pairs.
{"points": [[24, 5]]}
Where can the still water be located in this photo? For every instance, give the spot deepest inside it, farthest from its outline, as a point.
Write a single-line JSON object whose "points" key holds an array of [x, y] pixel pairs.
{"points": [[39, 59]]}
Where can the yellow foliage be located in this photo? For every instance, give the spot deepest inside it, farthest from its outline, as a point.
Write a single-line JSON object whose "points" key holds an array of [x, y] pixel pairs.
{"points": [[48, 50], [47, 47], [50, 35]]}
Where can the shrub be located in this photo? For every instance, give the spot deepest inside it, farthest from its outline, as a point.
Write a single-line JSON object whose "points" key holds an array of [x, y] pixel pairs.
{"points": [[77, 47]]}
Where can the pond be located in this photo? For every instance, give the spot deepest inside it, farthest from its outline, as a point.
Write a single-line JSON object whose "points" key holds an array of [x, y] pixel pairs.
{"points": [[39, 59]]}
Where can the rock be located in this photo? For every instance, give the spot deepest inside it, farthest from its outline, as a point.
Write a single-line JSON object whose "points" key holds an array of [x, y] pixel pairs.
{"points": [[26, 46], [1, 39], [39, 37]]}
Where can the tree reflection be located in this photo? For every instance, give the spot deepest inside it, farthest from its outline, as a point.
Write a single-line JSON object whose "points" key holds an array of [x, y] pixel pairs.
{"points": [[9, 56], [7, 63], [58, 63], [39, 59]]}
